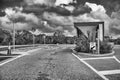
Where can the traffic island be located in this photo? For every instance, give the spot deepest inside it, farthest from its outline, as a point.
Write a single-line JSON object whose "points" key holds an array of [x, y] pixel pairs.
{"points": [[90, 39], [106, 49], [86, 55]]}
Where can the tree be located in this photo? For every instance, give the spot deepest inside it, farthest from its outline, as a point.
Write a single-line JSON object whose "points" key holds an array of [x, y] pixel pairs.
{"points": [[58, 37]]}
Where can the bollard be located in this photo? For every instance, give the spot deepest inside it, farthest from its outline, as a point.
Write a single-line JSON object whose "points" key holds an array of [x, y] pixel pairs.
{"points": [[9, 50]]}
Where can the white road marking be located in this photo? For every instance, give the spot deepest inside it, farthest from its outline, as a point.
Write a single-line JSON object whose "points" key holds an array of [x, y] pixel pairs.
{"points": [[101, 75], [109, 72], [12, 59], [97, 58], [116, 59]]}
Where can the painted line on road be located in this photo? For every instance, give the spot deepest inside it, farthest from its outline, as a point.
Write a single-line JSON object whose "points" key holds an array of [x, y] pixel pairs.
{"points": [[12, 59], [109, 72], [101, 75], [97, 58], [116, 59]]}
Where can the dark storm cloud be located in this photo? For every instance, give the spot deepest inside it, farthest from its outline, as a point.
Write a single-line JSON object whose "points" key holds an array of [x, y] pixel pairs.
{"points": [[39, 9], [10, 3], [59, 10], [36, 9], [81, 10]]}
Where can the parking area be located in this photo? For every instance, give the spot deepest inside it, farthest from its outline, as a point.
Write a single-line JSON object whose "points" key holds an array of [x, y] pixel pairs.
{"points": [[107, 67], [104, 67]]}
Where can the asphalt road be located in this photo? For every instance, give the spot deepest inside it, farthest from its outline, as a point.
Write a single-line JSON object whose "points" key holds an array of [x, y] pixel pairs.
{"points": [[57, 61]]}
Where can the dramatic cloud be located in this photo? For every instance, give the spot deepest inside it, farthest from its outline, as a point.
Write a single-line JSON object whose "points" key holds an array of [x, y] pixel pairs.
{"points": [[96, 7], [51, 15], [21, 20], [10, 3], [36, 9], [109, 5], [59, 2], [42, 2], [66, 22], [59, 10], [81, 10], [62, 9], [115, 23]]}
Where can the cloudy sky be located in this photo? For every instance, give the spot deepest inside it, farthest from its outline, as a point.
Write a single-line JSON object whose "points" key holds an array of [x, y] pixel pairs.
{"points": [[51, 15]]}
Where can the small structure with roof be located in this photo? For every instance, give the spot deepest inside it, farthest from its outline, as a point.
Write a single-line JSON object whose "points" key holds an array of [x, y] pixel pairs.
{"points": [[93, 31]]}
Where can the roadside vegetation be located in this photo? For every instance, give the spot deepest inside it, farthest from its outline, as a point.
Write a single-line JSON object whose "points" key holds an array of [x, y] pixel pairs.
{"points": [[25, 37], [83, 45]]}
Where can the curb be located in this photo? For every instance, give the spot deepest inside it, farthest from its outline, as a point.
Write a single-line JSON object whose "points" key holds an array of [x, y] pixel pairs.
{"points": [[96, 55], [16, 57]]}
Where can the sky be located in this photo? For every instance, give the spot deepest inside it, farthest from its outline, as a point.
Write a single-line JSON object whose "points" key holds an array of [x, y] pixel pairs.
{"points": [[51, 15]]}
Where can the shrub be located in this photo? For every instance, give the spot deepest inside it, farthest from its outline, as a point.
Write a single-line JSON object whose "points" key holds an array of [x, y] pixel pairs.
{"points": [[106, 47], [82, 44]]}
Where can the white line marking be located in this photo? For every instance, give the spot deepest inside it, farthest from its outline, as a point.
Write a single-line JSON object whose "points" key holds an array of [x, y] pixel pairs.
{"points": [[116, 59], [101, 75], [97, 58], [12, 59], [109, 72], [16, 57]]}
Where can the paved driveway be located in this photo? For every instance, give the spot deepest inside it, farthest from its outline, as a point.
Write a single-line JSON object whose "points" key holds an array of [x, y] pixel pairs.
{"points": [[57, 61]]}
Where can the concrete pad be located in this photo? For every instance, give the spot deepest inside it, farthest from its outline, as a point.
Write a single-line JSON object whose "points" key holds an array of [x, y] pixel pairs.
{"points": [[92, 68]]}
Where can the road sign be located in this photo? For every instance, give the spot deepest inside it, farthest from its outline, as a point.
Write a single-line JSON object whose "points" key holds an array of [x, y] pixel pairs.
{"points": [[92, 45]]}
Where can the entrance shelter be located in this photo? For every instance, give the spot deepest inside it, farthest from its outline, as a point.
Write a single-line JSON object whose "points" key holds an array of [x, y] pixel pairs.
{"points": [[94, 31]]}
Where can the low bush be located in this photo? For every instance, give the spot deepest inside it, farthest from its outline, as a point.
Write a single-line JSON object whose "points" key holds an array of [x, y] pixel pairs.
{"points": [[83, 46], [106, 47]]}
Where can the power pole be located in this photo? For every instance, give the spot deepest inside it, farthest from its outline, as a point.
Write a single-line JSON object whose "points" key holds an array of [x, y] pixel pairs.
{"points": [[13, 37]]}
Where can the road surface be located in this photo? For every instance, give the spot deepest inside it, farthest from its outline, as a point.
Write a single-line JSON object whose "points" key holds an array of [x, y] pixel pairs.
{"points": [[57, 61]]}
